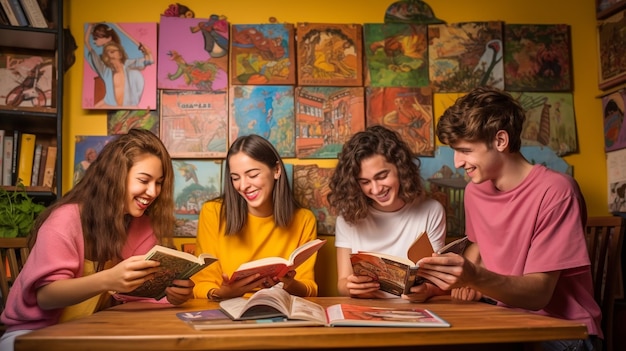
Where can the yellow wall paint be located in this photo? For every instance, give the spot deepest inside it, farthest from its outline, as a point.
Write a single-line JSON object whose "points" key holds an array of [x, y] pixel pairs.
{"points": [[589, 164]]}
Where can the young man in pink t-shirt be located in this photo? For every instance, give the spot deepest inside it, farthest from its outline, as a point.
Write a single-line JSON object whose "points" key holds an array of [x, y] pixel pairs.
{"points": [[526, 222]]}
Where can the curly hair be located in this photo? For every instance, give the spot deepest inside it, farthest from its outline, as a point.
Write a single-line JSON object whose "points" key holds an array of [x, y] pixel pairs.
{"points": [[479, 115], [234, 210], [101, 193], [346, 195]]}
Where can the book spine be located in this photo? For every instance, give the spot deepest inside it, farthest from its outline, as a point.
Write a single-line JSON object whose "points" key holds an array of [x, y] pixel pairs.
{"points": [[4, 20], [15, 156], [51, 161], [2, 133], [34, 13], [19, 12], [27, 153], [8, 160], [36, 161], [9, 12], [42, 165]]}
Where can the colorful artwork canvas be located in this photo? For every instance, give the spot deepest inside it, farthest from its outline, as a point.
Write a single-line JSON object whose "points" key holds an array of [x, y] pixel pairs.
{"points": [[329, 54], [326, 117], [86, 150], [537, 57], [121, 121], [266, 110], [611, 50], [408, 111], [193, 53], [195, 182], [550, 121], [310, 187], [396, 55], [194, 124], [614, 127], [263, 54], [26, 80], [120, 66], [462, 56]]}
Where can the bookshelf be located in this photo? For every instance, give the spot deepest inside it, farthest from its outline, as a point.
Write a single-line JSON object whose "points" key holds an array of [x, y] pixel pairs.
{"points": [[35, 114]]}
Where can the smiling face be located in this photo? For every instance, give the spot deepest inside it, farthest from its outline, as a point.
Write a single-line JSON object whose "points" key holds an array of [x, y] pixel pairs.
{"points": [[254, 181], [143, 184], [479, 162], [379, 181]]}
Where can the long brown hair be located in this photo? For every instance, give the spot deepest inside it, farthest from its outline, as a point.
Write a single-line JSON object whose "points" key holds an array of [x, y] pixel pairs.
{"points": [[101, 193]]}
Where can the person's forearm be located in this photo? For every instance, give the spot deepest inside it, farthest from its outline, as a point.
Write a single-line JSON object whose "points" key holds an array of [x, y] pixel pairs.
{"points": [[67, 292]]}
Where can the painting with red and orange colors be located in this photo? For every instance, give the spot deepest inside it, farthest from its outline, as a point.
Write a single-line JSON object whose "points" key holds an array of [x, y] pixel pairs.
{"points": [[310, 187], [195, 182], [396, 55], [408, 111], [462, 56], [262, 54], [329, 54], [537, 57], [326, 117], [193, 53]]}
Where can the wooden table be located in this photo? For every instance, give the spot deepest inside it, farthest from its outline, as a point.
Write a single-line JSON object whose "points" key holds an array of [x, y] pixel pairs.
{"points": [[144, 326]]}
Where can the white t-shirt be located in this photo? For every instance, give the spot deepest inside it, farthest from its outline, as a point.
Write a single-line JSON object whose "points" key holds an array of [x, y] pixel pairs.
{"points": [[393, 233]]}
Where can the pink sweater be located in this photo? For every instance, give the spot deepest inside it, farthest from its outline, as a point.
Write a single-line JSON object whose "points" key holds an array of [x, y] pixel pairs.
{"points": [[59, 254]]}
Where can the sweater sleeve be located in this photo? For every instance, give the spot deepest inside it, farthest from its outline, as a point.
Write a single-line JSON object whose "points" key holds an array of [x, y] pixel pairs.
{"points": [[307, 227], [207, 242]]}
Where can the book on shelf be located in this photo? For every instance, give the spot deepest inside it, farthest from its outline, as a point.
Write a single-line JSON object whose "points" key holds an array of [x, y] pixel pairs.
{"points": [[174, 265], [34, 178], [42, 165], [270, 267], [50, 167], [7, 160], [17, 11], [2, 134], [33, 13], [275, 302], [4, 20], [8, 10], [396, 275], [15, 155], [25, 160]]}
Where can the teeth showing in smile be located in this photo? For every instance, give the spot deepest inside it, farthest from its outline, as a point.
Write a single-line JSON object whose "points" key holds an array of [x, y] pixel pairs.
{"points": [[143, 201]]}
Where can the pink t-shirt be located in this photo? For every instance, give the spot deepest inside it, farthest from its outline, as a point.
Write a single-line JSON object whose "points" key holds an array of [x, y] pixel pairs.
{"points": [[59, 254], [537, 227]]}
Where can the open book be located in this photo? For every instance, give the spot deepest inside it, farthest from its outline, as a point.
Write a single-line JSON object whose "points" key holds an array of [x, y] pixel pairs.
{"points": [[396, 275], [277, 266], [174, 265], [277, 303]]}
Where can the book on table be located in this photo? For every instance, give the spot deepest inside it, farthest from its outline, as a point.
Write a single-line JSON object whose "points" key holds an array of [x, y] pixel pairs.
{"points": [[396, 275], [270, 267], [278, 306], [174, 265]]}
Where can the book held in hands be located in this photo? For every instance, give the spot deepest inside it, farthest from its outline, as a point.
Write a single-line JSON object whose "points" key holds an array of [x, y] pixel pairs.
{"points": [[396, 275], [271, 267], [174, 265], [275, 303]]}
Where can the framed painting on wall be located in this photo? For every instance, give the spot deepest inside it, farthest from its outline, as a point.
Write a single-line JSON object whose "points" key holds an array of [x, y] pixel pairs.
{"points": [[194, 124], [266, 110], [605, 8], [86, 150], [329, 54], [263, 54], [537, 57], [195, 182], [310, 187], [614, 127], [109, 45], [326, 117], [408, 111], [611, 50], [121, 121]]}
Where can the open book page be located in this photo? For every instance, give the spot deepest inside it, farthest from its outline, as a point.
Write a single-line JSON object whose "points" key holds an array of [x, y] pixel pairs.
{"points": [[355, 315], [457, 246], [216, 319], [395, 275], [278, 266], [174, 265]]}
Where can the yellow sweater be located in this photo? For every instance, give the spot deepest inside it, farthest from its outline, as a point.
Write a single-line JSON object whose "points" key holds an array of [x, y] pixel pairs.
{"points": [[260, 238]]}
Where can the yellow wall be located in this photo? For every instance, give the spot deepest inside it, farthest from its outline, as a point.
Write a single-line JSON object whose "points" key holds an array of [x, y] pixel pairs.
{"points": [[589, 164]]}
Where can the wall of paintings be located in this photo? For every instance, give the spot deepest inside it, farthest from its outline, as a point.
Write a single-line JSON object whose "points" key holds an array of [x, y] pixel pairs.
{"points": [[201, 82]]}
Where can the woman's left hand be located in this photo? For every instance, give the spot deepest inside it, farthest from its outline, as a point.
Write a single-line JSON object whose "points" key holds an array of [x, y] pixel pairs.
{"points": [[180, 291]]}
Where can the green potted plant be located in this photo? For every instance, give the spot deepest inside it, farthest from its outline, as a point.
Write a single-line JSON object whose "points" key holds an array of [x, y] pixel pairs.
{"points": [[17, 212]]}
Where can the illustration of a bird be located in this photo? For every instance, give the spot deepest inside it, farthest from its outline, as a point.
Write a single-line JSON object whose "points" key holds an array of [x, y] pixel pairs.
{"points": [[490, 61]]}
